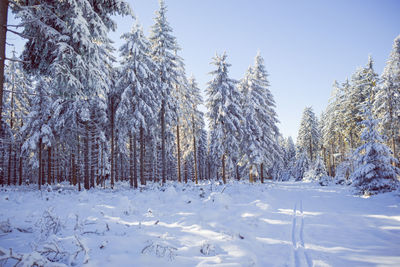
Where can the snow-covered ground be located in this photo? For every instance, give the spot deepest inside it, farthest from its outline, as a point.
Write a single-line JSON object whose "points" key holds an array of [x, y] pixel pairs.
{"points": [[274, 224]]}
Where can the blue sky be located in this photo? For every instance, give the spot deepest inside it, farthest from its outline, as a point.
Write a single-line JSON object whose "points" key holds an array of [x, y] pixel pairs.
{"points": [[306, 44]]}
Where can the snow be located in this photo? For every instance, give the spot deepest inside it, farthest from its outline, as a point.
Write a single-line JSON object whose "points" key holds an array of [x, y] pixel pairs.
{"points": [[238, 224]]}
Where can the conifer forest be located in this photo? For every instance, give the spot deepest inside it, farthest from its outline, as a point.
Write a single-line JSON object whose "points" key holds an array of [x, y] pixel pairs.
{"points": [[104, 147]]}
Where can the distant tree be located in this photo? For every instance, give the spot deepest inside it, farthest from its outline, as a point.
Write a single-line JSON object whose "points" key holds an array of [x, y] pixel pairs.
{"points": [[302, 164], [309, 137]]}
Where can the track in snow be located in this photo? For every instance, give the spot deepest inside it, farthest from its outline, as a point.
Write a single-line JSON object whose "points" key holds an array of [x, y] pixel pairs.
{"points": [[301, 257]]}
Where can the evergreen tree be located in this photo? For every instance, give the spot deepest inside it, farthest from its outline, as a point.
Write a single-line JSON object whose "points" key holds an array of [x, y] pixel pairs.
{"points": [[387, 98], [309, 136], [164, 47], [301, 166], [374, 172], [139, 106], [362, 89], [39, 129], [224, 115]]}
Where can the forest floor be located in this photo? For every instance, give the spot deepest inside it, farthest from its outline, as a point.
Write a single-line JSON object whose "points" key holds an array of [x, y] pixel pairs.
{"points": [[240, 224]]}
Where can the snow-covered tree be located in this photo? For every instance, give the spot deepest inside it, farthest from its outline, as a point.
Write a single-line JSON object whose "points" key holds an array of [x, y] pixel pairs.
{"points": [[374, 172], [18, 92], [137, 112], [387, 98], [302, 164], [362, 89], [39, 129], [164, 47], [224, 115], [309, 137]]}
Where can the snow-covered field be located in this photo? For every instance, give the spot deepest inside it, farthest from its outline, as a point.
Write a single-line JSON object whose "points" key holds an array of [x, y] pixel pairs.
{"points": [[274, 224]]}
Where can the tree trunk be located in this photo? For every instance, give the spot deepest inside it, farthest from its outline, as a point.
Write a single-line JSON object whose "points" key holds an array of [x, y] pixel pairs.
{"points": [[135, 181], [262, 172], [112, 144], [93, 158], [186, 172], [20, 165], [311, 153], [130, 159], [223, 169], [86, 158], [163, 152], [179, 152], [194, 151], [251, 174], [78, 163], [9, 164], [49, 165], [237, 172], [142, 178], [3, 33], [40, 164]]}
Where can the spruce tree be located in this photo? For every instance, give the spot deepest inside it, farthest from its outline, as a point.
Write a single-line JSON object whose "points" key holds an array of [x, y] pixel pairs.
{"points": [[224, 116], [374, 172]]}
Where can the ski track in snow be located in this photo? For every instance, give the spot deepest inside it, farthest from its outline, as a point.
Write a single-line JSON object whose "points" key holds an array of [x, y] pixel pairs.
{"points": [[300, 255]]}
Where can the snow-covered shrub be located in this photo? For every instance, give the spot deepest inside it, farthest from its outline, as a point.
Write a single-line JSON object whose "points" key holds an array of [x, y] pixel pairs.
{"points": [[207, 249], [25, 259], [160, 250], [374, 172], [5, 226], [49, 224]]}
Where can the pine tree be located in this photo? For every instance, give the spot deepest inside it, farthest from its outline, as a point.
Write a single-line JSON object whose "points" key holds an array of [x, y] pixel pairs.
{"points": [[374, 172], [309, 136], [362, 89], [164, 47], [39, 129], [224, 115], [137, 112], [301, 166], [387, 98]]}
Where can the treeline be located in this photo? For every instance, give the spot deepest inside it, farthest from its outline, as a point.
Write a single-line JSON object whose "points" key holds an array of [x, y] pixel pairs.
{"points": [[70, 115], [362, 114]]}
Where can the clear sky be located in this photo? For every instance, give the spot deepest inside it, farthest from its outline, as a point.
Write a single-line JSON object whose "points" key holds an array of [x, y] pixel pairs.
{"points": [[306, 44]]}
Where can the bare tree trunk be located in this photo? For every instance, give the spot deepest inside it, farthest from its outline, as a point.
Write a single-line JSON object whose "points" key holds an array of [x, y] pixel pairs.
{"points": [[20, 165], [262, 172], [112, 144], [9, 163], [49, 165], [78, 164], [40, 164], [86, 158], [163, 152], [93, 160], [194, 151], [130, 159], [251, 174], [237, 172], [179, 152], [223, 169], [142, 178], [3, 33], [186, 172], [135, 181]]}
